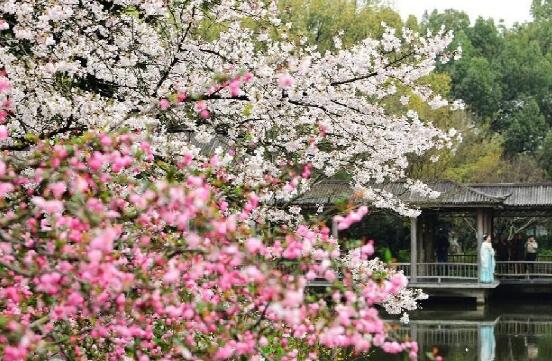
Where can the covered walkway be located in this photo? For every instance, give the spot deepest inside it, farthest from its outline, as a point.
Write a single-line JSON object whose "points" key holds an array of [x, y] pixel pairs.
{"points": [[483, 202]]}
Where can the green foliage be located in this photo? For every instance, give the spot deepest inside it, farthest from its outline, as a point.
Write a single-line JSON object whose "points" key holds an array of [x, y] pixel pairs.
{"points": [[321, 20], [541, 9], [478, 158], [485, 38], [477, 83], [505, 78], [524, 69], [525, 128], [451, 19], [545, 154]]}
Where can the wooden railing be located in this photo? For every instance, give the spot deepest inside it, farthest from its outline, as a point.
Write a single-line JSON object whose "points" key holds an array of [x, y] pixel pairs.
{"points": [[445, 332], [521, 328], [446, 272], [472, 258], [447, 336], [442, 333], [523, 270], [405, 267], [441, 272]]}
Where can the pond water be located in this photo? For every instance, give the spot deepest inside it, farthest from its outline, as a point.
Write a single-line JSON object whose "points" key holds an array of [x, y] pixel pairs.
{"points": [[516, 330]]}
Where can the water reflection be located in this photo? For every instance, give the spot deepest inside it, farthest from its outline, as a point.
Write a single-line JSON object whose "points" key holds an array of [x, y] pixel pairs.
{"points": [[500, 333], [487, 342]]}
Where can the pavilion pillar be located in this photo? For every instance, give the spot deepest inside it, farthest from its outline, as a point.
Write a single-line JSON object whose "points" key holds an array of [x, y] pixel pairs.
{"points": [[489, 224], [480, 230], [335, 231], [427, 223], [413, 249]]}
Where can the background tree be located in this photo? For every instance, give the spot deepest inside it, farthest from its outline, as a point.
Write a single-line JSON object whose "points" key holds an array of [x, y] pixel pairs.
{"points": [[322, 20], [541, 9], [545, 154], [525, 128], [478, 84], [504, 77]]}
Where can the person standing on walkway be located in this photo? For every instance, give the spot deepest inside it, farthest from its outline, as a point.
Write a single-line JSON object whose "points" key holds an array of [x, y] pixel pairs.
{"points": [[517, 253], [503, 250], [487, 254], [442, 245], [531, 248]]}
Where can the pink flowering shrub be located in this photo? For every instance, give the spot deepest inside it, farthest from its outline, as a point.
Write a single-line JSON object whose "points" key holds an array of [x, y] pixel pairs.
{"points": [[107, 253]]}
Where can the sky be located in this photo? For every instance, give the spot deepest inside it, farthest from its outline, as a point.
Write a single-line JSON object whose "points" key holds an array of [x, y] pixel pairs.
{"points": [[510, 10]]}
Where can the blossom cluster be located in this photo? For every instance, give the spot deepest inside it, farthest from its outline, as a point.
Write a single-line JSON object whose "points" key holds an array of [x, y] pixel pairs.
{"points": [[205, 73], [5, 103], [109, 253], [364, 268]]}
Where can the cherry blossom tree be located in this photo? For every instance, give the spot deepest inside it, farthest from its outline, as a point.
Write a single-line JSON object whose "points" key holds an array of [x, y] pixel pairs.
{"points": [[202, 72]]}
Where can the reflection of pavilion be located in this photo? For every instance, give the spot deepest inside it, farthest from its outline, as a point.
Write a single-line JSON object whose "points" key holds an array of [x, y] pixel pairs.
{"points": [[523, 325], [483, 202], [477, 337]]}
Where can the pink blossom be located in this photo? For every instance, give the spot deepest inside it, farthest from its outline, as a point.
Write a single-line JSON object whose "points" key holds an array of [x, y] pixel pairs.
{"points": [[49, 283], [121, 300], [12, 353], [105, 140], [96, 161], [172, 275], [104, 240], [3, 132], [204, 114], [398, 282], [181, 96], [234, 87], [75, 299], [200, 105], [79, 185], [253, 245], [5, 189], [3, 116], [330, 275], [164, 104], [4, 25], [352, 217], [368, 249], [392, 347], [224, 352], [187, 159], [293, 298], [48, 206], [4, 85], [57, 189], [136, 248], [285, 81]]}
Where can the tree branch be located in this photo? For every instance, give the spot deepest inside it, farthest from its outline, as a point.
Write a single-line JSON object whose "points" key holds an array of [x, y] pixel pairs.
{"points": [[15, 269], [370, 75]]}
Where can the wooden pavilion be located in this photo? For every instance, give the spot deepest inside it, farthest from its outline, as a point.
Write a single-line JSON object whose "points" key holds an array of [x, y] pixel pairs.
{"points": [[482, 201]]}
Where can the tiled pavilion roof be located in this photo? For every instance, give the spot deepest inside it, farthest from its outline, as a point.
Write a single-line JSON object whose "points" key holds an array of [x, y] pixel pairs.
{"points": [[495, 195]]}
